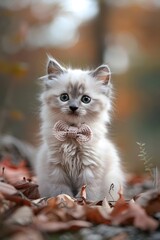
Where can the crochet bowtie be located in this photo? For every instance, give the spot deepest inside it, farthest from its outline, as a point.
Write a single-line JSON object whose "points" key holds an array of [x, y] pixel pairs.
{"points": [[62, 131]]}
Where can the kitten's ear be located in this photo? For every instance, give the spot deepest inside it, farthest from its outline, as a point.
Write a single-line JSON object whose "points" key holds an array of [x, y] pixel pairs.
{"points": [[102, 73], [54, 68]]}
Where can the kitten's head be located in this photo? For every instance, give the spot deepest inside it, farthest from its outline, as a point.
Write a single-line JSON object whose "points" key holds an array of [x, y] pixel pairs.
{"points": [[77, 96]]}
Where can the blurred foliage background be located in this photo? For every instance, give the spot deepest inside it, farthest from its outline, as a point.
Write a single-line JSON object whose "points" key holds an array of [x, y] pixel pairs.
{"points": [[123, 33]]}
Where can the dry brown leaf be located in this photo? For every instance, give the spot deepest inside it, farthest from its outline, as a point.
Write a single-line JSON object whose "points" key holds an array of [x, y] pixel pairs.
{"points": [[120, 206], [62, 214], [61, 226], [96, 215], [8, 189], [22, 216], [18, 200], [83, 192], [150, 201], [137, 216], [40, 201], [28, 188], [66, 213], [53, 214], [61, 201], [131, 213], [77, 213]]}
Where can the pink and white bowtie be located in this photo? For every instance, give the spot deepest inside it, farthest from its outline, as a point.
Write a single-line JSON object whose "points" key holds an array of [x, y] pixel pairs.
{"points": [[62, 131]]}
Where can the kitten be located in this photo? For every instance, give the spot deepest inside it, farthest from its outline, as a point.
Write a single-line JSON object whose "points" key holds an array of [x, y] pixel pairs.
{"points": [[80, 101]]}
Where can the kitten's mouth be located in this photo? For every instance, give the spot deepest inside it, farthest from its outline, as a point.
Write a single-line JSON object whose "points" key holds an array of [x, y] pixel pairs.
{"points": [[75, 114]]}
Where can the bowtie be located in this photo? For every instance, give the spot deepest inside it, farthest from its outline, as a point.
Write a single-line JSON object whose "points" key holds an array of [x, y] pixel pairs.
{"points": [[62, 131]]}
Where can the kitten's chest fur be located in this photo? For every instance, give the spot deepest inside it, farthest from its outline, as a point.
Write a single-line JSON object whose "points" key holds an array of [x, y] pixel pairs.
{"points": [[74, 159], [71, 157]]}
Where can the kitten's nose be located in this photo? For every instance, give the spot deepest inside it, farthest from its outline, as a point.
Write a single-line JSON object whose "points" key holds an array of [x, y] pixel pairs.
{"points": [[73, 108]]}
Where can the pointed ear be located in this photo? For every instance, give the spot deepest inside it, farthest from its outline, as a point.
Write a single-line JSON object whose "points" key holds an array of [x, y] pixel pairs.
{"points": [[102, 73], [54, 68]]}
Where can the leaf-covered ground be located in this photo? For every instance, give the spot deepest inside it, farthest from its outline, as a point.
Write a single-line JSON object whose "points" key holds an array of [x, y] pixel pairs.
{"points": [[24, 215]]}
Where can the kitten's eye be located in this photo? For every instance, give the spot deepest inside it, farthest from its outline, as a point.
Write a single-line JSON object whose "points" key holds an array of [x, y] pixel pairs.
{"points": [[64, 97], [85, 99]]}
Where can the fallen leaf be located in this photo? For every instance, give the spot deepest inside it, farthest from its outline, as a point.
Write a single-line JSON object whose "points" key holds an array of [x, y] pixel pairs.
{"points": [[40, 201], [22, 216], [137, 216], [28, 188], [61, 226], [78, 212], [83, 192], [96, 215], [18, 200], [50, 214], [8, 189], [119, 206], [150, 201], [131, 213], [55, 214], [61, 201]]}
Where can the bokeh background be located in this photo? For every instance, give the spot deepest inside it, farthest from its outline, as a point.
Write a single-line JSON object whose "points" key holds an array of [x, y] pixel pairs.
{"points": [[84, 33]]}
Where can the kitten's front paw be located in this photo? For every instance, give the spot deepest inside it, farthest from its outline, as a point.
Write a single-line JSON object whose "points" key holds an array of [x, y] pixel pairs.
{"points": [[53, 190]]}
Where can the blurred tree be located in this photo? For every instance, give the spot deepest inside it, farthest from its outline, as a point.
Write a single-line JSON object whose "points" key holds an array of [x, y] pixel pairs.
{"points": [[15, 24]]}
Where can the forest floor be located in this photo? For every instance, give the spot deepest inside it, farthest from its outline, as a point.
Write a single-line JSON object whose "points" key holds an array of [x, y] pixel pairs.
{"points": [[24, 215]]}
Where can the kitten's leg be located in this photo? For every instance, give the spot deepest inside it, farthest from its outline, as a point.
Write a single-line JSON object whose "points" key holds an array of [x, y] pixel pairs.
{"points": [[89, 178], [109, 187], [54, 183], [114, 183], [50, 177], [98, 187], [113, 178], [59, 182]]}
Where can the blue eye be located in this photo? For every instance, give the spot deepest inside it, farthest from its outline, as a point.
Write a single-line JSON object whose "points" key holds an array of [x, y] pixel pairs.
{"points": [[64, 97], [85, 99]]}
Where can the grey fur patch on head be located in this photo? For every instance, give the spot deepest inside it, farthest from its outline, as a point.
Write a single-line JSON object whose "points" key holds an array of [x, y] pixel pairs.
{"points": [[76, 90]]}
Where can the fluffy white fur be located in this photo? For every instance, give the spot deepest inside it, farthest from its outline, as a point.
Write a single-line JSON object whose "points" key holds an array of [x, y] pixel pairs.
{"points": [[63, 167]]}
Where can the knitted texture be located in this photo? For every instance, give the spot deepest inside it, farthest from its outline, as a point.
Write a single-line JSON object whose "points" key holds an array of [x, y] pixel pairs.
{"points": [[62, 131]]}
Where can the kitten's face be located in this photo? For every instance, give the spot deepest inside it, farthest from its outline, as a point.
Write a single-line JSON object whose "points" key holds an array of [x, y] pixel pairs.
{"points": [[76, 96]]}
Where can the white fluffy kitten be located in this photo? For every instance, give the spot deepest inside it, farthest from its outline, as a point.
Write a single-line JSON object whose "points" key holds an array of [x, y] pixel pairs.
{"points": [[77, 97]]}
